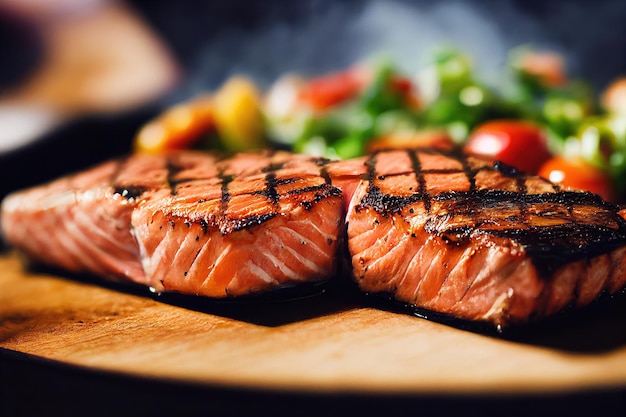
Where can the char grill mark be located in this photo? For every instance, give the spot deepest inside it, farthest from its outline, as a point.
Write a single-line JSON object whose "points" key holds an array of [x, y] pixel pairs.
{"points": [[173, 169], [270, 188], [550, 245], [273, 167], [272, 182], [509, 171], [553, 226], [321, 162], [276, 189], [470, 173], [237, 224], [224, 181], [520, 182], [176, 166], [231, 224], [324, 173], [129, 191], [421, 181], [132, 184], [385, 204]]}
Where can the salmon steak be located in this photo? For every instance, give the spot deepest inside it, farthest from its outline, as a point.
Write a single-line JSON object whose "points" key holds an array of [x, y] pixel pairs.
{"points": [[454, 234], [478, 240], [192, 223]]}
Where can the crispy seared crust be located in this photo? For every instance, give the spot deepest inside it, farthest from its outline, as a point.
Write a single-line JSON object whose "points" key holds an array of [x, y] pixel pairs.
{"points": [[450, 233], [247, 223], [478, 239], [187, 222]]}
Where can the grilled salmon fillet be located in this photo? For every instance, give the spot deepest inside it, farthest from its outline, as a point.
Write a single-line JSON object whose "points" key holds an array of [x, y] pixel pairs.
{"points": [[193, 223], [453, 234], [478, 240]]}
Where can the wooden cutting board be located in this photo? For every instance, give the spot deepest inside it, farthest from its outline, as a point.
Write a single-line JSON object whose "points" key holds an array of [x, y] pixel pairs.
{"points": [[334, 341]]}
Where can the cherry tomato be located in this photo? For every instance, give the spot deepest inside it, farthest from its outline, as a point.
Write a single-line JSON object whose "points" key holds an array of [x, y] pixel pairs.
{"points": [[520, 144], [579, 174], [326, 91]]}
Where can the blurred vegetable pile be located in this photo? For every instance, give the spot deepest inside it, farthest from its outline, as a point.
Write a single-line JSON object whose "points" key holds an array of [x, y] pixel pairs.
{"points": [[540, 121]]}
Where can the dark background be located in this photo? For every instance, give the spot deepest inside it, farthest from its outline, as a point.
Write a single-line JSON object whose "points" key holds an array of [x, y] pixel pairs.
{"points": [[266, 38]]}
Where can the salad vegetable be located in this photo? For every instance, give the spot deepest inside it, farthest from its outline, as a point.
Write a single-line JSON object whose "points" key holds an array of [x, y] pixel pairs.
{"points": [[517, 143], [177, 128], [578, 173], [538, 120], [237, 115]]}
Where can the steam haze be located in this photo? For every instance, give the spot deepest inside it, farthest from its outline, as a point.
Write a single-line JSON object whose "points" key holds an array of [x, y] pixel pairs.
{"points": [[267, 39]]}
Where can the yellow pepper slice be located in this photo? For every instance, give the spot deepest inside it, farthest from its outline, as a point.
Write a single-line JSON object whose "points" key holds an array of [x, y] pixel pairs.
{"points": [[237, 114]]}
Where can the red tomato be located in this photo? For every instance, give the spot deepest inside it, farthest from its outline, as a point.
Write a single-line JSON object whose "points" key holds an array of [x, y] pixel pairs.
{"points": [[580, 174], [326, 91], [520, 144]]}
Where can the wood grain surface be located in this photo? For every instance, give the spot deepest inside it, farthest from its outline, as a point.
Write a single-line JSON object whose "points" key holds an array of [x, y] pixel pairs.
{"points": [[335, 341]]}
